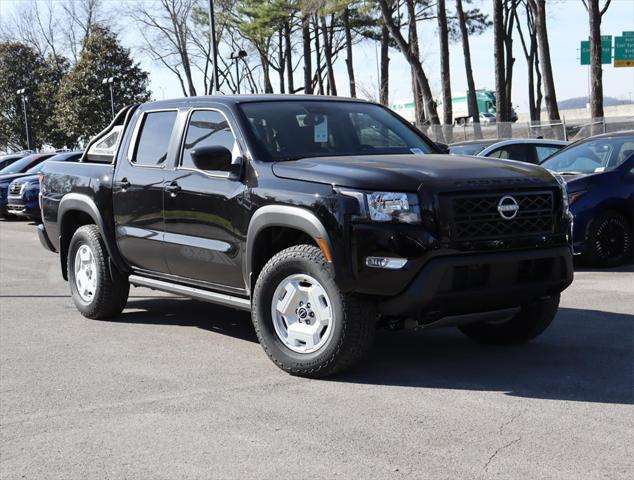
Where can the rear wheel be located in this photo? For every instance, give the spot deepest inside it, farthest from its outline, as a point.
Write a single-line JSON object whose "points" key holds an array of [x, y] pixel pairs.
{"points": [[609, 241], [532, 320], [97, 292], [305, 324]]}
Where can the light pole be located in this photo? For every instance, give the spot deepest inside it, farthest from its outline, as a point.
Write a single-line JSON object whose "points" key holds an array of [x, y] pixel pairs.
{"points": [[236, 56], [22, 93], [110, 82], [214, 47]]}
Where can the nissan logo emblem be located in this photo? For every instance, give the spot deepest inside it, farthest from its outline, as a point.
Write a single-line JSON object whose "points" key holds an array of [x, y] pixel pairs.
{"points": [[508, 207]]}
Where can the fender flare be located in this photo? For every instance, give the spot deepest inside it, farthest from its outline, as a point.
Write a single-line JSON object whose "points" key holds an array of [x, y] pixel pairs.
{"points": [[72, 202], [283, 216]]}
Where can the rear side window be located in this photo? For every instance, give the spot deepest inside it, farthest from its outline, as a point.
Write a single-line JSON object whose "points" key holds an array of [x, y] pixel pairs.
{"points": [[545, 151], [154, 138], [518, 152], [207, 128]]}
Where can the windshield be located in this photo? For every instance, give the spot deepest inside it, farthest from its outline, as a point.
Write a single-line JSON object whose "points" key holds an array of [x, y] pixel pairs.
{"points": [[17, 166], [290, 130], [470, 149], [591, 156]]}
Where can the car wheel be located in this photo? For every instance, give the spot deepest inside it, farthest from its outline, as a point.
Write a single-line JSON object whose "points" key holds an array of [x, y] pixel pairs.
{"points": [[97, 291], [528, 323], [305, 324], [609, 240]]}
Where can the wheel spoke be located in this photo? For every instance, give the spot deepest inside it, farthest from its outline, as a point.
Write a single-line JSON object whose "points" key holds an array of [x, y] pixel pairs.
{"points": [[289, 299], [320, 306], [302, 336]]}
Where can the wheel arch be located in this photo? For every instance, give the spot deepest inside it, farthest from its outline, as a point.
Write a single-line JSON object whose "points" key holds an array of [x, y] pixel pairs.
{"points": [[77, 210], [289, 220]]}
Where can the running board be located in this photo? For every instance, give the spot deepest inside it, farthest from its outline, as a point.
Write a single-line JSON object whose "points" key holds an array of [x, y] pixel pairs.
{"points": [[197, 293]]}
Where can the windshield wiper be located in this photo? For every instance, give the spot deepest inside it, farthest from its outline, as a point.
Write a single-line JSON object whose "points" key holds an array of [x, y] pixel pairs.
{"points": [[571, 173]]}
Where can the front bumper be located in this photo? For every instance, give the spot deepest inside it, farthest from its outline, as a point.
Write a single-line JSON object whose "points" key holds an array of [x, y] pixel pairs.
{"points": [[470, 283]]}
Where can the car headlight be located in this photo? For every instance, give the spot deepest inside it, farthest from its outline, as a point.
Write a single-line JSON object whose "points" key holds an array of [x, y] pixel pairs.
{"points": [[387, 206]]}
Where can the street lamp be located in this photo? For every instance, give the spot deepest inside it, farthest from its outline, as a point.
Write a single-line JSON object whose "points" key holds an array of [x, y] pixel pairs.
{"points": [[22, 93], [236, 56], [110, 82]]}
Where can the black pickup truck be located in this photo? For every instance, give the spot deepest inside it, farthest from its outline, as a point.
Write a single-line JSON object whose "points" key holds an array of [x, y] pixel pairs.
{"points": [[326, 218]]}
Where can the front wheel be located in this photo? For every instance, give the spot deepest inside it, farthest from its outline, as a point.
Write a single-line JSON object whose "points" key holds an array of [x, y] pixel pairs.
{"points": [[609, 241], [97, 292], [528, 323], [305, 324]]}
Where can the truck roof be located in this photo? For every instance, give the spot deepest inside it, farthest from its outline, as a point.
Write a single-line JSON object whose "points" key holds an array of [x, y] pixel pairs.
{"points": [[237, 99]]}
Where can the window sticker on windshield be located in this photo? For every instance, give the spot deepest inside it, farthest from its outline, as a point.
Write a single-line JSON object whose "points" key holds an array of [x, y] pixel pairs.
{"points": [[599, 170], [321, 131], [417, 151]]}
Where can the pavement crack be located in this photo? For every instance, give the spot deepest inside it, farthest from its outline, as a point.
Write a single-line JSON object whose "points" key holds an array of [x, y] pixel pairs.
{"points": [[511, 420], [503, 447]]}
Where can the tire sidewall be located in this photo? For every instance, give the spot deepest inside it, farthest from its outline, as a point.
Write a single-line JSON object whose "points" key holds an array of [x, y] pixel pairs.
{"points": [[262, 315], [592, 254], [82, 237]]}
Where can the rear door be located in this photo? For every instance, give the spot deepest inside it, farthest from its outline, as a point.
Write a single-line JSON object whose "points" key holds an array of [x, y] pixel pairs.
{"points": [[522, 152], [205, 213], [138, 189]]}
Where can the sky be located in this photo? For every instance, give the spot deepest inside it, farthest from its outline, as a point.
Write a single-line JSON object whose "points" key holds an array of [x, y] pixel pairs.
{"points": [[567, 26]]}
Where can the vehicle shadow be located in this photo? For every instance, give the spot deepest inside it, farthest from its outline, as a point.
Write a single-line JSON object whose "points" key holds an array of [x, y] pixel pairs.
{"points": [[586, 355], [189, 313]]}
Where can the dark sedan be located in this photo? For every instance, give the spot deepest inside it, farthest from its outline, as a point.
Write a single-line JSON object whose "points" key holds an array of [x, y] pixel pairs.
{"points": [[23, 198], [599, 172], [16, 170], [7, 160]]}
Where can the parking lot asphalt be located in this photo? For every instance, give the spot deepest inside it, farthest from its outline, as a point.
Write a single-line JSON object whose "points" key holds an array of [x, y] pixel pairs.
{"points": [[176, 388]]}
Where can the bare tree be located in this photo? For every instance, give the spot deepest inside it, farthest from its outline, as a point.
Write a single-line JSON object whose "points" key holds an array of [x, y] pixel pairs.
{"points": [[528, 40], [595, 15], [445, 71], [538, 9]]}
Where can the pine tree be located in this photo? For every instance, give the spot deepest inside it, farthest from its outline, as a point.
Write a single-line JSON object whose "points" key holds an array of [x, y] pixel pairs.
{"points": [[83, 103]]}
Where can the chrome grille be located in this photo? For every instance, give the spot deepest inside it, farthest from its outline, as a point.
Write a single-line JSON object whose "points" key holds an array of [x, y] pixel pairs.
{"points": [[15, 188]]}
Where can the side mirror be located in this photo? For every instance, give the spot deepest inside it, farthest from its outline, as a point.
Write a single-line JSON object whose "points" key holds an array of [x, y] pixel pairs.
{"points": [[217, 158]]}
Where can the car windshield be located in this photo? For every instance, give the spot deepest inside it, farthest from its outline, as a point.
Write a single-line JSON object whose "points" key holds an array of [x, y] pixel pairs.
{"points": [[17, 166], [289, 130], [469, 149], [592, 156]]}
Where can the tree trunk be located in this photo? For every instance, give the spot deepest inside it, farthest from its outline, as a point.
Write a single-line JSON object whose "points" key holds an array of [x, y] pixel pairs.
{"points": [[471, 92], [320, 80], [330, 73], [419, 111], [509, 14], [280, 59], [266, 70], [500, 81], [539, 12], [308, 71], [384, 91], [596, 69], [445, 73], [349, 64], [288, 55]]}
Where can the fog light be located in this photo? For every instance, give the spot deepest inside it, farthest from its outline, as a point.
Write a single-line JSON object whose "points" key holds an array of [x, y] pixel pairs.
{"points": [[389, 263]]}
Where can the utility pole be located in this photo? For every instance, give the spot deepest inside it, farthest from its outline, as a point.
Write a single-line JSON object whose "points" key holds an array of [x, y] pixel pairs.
{"points": [[22, 93], [110, 82], [214, 47]]}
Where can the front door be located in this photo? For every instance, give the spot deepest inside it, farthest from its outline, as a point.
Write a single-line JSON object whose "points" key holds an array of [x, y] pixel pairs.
{"points": [[204, 213], [138, 191]]}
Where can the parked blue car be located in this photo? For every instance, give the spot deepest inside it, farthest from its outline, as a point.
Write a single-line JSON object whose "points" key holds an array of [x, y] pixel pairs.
{"points": [[599, 173], [23, 192]]}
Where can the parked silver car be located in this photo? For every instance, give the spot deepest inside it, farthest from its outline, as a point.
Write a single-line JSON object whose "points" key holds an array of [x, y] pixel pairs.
{"points": [[530, 150]]}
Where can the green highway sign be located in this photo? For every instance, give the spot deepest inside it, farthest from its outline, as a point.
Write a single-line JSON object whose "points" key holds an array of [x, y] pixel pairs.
{"points": [[624, 50], [606, 50]]}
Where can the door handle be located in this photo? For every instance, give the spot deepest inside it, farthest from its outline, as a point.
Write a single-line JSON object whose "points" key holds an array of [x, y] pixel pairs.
{"points": [[172, 188], [123, 184]]}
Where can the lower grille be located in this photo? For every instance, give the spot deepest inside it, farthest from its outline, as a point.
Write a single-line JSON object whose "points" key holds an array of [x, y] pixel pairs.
{"points": [[500, 215]]}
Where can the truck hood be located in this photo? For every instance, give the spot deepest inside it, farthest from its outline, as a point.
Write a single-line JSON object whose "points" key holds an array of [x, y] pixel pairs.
{"points": [[409, 172]]}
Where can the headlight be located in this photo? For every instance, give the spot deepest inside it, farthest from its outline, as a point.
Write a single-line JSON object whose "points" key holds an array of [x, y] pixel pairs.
{"points": [[387, 206]]}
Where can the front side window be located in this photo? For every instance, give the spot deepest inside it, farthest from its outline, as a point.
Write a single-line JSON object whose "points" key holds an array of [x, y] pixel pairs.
{"points": [[207, 128], [289, 130], [154, 138]]}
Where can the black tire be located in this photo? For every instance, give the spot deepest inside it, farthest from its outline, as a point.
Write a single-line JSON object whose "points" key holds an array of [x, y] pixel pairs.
{"points": [[112, 288], [609, 240], [530, 322], [354, 320]]}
